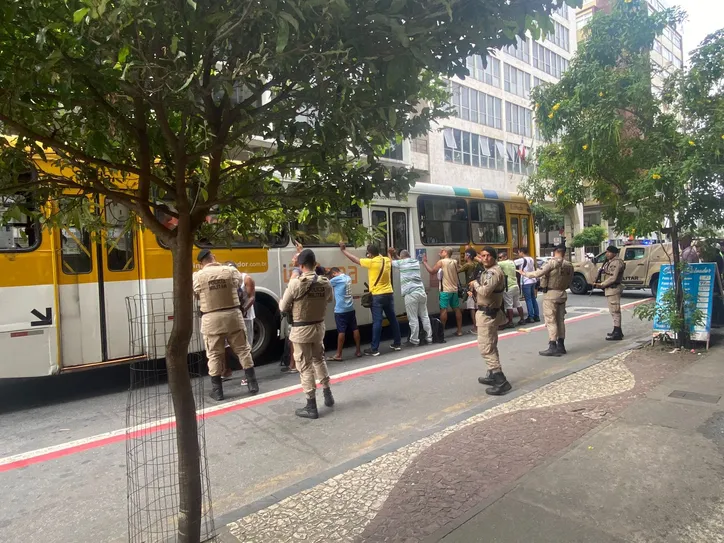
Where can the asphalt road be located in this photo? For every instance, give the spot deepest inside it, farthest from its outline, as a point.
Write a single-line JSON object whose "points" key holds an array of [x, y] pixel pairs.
{"points": [[76, 490]]}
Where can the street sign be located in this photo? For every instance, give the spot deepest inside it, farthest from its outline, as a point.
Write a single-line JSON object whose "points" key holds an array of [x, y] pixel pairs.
{"points": [[699, 282], [556, 241]]}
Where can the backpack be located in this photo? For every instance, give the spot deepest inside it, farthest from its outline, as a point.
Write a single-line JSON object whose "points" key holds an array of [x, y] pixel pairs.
{"points": [[438, 332], [422, 335]]}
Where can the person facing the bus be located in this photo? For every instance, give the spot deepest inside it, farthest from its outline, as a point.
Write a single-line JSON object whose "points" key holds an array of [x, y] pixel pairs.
{"points": [[306, 299], [345, 316], [472, 269], [556, 276], [379, 279], [526, 263], [216, 287], [511, 297], [449, 298], [413, 292]]}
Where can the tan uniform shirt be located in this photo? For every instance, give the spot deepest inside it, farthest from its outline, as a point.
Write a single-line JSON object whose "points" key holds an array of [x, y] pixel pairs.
{"points": [[306, 298], [613, 271], [217, 289], [557, 274], [449, 275], [489, 290]]}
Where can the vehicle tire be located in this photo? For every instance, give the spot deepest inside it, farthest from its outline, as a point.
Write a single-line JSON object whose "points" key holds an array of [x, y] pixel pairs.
{"points": [[579, 284], [654, 285], [265, 330]]}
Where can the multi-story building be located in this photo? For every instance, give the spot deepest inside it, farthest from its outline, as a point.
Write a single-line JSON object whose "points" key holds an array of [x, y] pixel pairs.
{"points": [[667, 55], [487, 142]]}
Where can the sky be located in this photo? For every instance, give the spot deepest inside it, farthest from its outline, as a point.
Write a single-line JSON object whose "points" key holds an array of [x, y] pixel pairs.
{"points": [[705, 16]]}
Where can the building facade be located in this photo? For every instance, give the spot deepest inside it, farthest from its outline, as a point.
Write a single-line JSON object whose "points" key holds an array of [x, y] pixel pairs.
{"points": [[488, 141], [667, 55]]}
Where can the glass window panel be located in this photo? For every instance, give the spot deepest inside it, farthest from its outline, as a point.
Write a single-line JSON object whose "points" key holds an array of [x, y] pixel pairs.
{"points": [[75, 250], [487, 221], [442, 220], [400, 239], [18, 233], [119, 239]]}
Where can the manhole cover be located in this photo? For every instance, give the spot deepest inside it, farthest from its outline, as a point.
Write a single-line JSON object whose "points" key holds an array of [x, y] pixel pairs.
{"points": [[694, 396]]}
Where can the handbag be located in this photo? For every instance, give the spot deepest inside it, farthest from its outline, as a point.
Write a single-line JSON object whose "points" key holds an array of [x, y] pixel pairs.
{"points": [[366, 299]]}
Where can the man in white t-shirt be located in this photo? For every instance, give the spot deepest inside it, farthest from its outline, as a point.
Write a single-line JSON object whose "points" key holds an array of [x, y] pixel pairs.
{"points": [[526, 263]]}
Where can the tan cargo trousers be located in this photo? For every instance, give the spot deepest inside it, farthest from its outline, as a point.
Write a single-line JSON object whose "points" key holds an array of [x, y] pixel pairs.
{"points": [[309, 358]]}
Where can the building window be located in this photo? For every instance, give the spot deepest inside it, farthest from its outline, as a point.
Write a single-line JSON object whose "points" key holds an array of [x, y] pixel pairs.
{"points": [[419, 145], [560, 36], [517, 160], [562, 11], [490, 73], [462, 147], [657, 46], [518, 120], [393, 152], [443, 220], [488, 222], [517, 81], [476, 106], [521, 49], [548, 61], [583, 19], [591, 218]]}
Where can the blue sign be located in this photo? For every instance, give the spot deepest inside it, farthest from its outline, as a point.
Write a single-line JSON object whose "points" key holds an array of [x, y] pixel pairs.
{"points": [[699, 282], [419, 253]]}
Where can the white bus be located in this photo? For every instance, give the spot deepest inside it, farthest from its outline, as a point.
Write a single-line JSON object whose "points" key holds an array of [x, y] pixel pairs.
{"points": [[64, 292]]}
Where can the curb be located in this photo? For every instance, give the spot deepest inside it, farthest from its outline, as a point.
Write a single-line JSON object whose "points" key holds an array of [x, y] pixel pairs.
{"points": [[223, 520]]}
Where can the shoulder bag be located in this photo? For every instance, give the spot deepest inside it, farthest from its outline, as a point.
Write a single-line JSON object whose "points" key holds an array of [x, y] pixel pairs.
{"points": [[366, 299]]}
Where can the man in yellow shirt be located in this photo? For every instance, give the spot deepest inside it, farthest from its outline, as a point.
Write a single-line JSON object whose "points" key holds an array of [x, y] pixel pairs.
{"points": [[379, 271]]}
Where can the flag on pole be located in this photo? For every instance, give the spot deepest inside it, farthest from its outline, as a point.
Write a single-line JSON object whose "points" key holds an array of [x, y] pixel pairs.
{"points": [[522, 150]]}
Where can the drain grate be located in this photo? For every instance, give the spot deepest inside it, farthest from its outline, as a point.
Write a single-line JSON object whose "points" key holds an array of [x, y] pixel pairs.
{"points": [[694, 396]]}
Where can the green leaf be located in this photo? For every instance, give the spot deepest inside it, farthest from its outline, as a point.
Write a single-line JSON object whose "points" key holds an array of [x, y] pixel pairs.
{"points": [[174, 45], [192, 4], [80, 14], [291, 20], [123, 54], [282, 36]]}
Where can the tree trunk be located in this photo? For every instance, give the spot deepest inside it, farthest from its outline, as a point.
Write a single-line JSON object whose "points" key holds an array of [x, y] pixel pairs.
{"points": [[682, 334], [179, 381]]}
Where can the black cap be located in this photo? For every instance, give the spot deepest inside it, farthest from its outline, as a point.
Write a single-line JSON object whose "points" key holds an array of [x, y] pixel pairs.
{"points": [[491, 251], [560, 247], [613, 249], [203, 255]]}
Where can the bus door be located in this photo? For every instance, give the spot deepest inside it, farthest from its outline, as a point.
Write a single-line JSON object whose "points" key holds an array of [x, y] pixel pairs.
{"points": [[520, 232], [96, 273], [394, 222]]}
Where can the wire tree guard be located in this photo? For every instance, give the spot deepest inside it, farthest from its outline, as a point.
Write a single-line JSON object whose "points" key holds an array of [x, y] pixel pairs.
{"points": [[151, 450]]}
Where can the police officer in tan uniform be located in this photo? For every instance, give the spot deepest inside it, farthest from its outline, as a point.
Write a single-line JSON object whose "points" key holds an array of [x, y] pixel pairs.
{"points": [[306, 299], [613, 271], [556, 276], [488, 291], [216, 288]]}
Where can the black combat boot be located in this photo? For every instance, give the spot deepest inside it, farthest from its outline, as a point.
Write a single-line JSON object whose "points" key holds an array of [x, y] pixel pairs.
{"points": [[500, 385], [611, 333], [217, 389], [251, 381], [617, 334], [309, 411], [328, 398], [552, 350], [561, 346], [488, 379]]}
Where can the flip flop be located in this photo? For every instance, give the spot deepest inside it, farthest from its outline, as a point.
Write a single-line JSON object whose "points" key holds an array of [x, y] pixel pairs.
{"points": [[335, 359], [358, 355], [459, 334]]}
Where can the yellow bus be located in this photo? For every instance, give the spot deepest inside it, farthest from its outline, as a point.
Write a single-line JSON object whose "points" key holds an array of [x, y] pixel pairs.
{"points": [[64, 291]]}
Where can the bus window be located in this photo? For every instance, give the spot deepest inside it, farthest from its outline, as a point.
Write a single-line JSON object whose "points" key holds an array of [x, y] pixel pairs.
{"points": [[75, 245], [119, 240], [380, 218], [514, 231], [488, 222], [443, 220], [524, 232], [18, 232], [325, 232], [399, 231]]}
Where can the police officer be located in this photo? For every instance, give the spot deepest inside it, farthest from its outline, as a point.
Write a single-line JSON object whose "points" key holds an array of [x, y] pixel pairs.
{"points": [[488, 291], [216, 287], [612, 275], [556, 276], [306, 298]]}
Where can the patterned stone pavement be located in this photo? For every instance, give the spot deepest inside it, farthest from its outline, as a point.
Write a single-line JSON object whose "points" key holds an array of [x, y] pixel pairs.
{"points": [[410, 493]]}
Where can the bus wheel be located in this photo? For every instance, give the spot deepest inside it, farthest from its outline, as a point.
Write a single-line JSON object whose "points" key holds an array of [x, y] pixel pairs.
{"points": [[264, 330], [579, 284]]}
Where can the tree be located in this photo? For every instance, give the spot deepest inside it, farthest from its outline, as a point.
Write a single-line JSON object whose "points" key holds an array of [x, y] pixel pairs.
{"points": [[195, 108], [612, 139], [590, 236]]}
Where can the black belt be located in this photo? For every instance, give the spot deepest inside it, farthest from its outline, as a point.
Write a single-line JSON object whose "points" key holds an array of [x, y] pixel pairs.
{"points": [[489, 311], [222, 309], [306, 323]]}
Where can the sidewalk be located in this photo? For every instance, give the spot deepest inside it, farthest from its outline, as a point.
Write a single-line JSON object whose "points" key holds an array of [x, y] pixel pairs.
{"points": [[627, 449]]}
